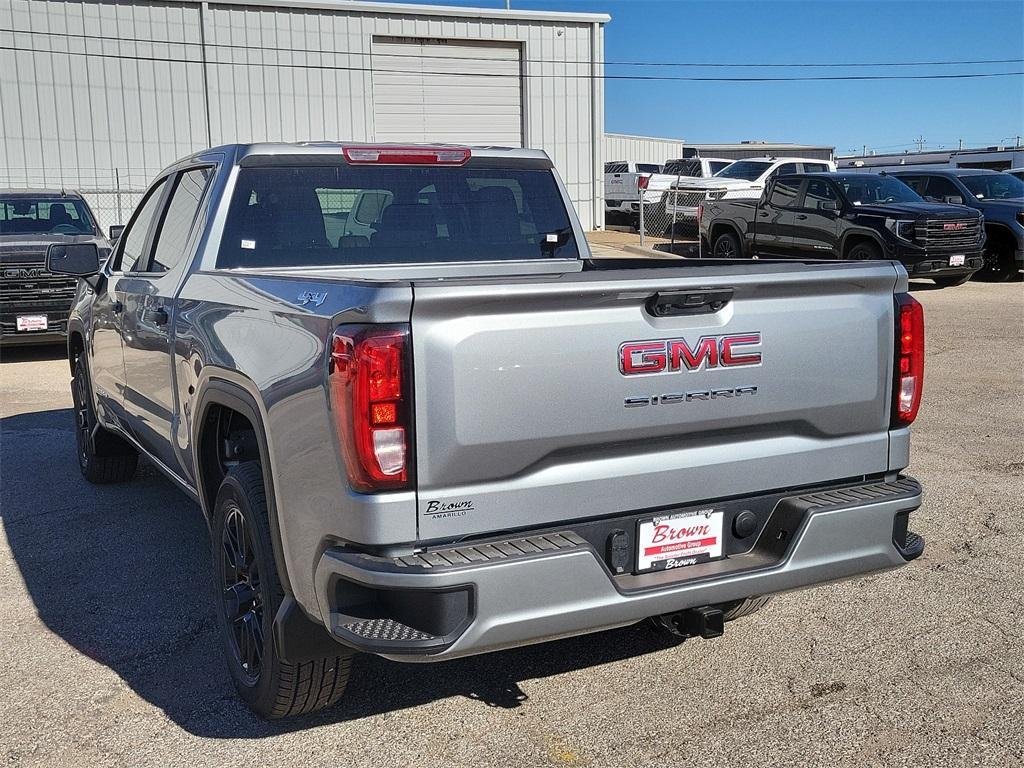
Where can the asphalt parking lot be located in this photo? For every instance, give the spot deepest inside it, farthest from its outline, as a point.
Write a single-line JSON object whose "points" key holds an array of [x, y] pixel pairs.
{"points": [[108, 651]]}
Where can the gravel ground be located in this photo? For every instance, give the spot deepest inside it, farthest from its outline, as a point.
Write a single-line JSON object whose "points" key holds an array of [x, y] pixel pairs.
{"points": [[108, 653]]}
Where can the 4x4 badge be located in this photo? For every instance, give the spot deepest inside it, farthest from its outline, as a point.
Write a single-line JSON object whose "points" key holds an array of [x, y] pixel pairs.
{"points": [[309, 297]]}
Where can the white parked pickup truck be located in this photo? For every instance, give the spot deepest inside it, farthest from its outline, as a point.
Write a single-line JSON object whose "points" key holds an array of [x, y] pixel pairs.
{"points": [[621, 194], [743, 179]]}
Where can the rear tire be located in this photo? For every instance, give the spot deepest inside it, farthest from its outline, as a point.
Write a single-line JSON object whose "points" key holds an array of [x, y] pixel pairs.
{"points": [[864, 251], [727, 246], [103, 457], [949, 282], [249, 594]]}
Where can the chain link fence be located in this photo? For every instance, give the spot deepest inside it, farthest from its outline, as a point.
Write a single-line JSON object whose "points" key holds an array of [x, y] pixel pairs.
{"points": [[665, 216]]}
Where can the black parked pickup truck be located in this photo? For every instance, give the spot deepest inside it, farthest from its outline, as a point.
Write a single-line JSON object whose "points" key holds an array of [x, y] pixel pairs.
{"points": [[34, 303], [853, 216]]}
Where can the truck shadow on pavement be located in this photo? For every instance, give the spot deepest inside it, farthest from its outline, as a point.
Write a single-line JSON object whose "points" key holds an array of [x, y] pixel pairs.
{"points": [[33, 353], [122, 574]]}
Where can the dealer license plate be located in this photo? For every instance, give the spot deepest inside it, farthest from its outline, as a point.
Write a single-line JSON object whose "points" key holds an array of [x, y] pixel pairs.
{"points": [[682, 539], [31, 323], [956, 261]]}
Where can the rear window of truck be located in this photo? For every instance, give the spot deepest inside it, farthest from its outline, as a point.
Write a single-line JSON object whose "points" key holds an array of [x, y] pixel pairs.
{"points": [[342, 215]]}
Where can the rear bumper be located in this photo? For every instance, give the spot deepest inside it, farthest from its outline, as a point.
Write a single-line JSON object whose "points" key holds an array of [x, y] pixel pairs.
{"points": [[682, 212], [467, 599]]}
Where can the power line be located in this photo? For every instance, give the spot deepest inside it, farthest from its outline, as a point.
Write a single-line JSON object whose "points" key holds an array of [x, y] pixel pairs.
{"points": [[689, 64], [530, 75]]}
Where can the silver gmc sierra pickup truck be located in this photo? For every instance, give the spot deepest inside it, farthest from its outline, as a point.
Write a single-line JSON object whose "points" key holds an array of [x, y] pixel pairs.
{"points": [[422, 422]]}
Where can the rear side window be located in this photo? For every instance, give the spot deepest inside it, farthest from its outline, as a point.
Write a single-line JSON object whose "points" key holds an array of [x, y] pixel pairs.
{"points": [[340, 215], [616, 168], [648, 168], [815, 167], [784, 193]]}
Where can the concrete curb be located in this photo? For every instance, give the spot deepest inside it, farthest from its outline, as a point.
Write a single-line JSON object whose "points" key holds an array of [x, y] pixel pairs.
{"points": [[649, 252]]}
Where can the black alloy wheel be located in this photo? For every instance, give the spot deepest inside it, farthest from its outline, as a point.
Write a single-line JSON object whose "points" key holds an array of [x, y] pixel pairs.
{"points": [[998, 265], [241, 597], [83, 415], [726, 247]]}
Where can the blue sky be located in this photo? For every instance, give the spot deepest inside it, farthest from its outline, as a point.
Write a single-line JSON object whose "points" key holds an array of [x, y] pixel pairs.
{"points": [[885, 115]]}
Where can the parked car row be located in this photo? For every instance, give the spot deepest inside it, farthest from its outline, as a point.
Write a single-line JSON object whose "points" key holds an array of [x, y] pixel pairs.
{"points": [[622, 186], [946, 225], [748, 211], [742, 179]]}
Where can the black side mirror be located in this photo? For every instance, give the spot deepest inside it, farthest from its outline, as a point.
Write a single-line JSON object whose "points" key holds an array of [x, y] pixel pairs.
{"points": [[115, 232], [78, 259], [829, 205], [953, 200]]}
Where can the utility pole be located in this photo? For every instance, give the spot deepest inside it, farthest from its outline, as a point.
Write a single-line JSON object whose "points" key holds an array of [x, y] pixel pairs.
{"points": [[920, 140]]}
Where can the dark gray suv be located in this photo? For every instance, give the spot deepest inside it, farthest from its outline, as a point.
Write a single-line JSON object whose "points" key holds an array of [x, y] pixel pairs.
{"points": [[999, 197]]}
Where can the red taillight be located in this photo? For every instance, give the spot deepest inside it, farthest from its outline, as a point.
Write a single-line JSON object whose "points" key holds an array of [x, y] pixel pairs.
{"points": [[642, 181], [909, 363], [407, 155], [369, 396]]}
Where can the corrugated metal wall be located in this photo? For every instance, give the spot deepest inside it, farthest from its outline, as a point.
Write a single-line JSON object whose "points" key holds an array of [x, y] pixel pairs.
{"points": [[102, 94], [640, 149]]}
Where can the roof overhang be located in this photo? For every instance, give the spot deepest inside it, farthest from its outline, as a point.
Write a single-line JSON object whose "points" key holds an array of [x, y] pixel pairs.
{"points": [[412, 9]]}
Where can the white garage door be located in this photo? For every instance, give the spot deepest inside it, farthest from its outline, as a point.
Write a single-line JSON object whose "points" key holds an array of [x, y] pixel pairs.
{"points": [[443, 91]]}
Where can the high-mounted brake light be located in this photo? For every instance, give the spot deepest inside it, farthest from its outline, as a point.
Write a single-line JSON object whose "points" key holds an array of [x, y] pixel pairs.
{"points": [[407, 155], [909, 360], [369, 396]]}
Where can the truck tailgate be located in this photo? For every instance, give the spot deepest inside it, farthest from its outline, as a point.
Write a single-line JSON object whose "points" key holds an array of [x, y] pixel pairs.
{"points": [[521, 407]]}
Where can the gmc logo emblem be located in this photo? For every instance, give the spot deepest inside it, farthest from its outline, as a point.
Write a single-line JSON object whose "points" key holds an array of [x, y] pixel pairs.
{"points": [[16, 273], [953, 226], [671, 355]]}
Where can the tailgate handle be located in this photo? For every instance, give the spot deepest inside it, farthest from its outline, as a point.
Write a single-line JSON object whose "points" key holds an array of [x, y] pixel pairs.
{"points": [[704, 301]]}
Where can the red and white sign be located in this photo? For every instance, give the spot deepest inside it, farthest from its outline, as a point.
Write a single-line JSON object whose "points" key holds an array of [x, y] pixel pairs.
{"points": [[31, 323], [678, 540], [957, 260]]}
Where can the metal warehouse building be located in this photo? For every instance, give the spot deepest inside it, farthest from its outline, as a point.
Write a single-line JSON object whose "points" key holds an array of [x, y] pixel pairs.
{"points": [[101, 94], [645, 149]]}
